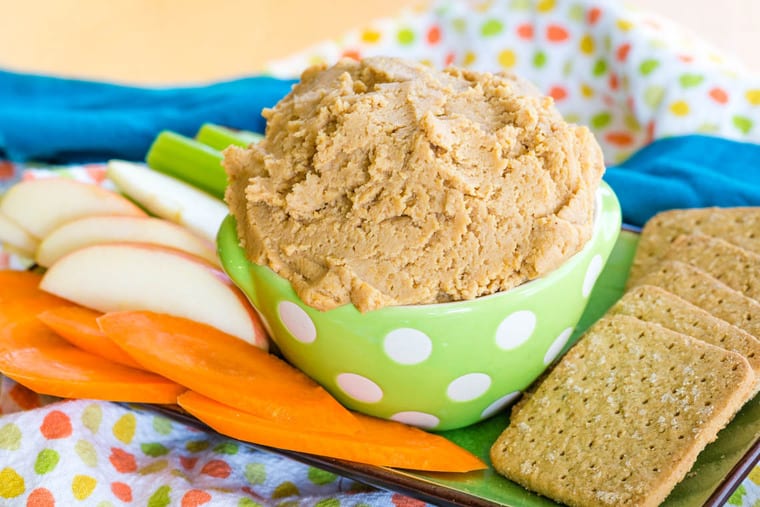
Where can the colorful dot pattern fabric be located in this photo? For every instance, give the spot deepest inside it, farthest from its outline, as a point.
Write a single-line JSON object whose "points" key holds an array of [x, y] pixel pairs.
{"points": [[83, 452], [630, 76]]}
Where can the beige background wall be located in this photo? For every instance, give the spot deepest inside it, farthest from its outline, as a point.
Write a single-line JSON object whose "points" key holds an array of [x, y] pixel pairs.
{"points": [[732, 25], [170, 41]]}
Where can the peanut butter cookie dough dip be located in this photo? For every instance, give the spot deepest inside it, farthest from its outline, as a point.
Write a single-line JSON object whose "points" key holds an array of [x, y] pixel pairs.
{"points": [[384, 182]]}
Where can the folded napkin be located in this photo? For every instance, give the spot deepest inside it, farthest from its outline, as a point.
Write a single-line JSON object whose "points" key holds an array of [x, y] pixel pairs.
{"points": [[96, 453], [59, 120], [686, 172]]}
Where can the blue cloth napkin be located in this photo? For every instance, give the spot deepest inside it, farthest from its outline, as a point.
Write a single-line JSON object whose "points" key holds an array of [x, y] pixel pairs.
{"points": [[56, 120], [686, 172], [49, 119]]}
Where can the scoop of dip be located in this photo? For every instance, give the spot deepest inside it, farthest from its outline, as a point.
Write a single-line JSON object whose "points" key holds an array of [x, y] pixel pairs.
{"points": [[384, 182]]}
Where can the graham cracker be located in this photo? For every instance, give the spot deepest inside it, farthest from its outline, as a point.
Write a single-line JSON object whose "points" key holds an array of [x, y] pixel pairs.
{"points": [[622, 417], [707, 292], [654, 304], [739, 226], [733, 265]]}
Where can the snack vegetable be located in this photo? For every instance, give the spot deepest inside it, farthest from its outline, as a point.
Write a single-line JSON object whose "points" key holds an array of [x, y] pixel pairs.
{"points": [[226, 369], [15, 285], [188, 160], [78, 326], [198, 161], [382, 443], [37, 358], [21, 299], [219, 137]]}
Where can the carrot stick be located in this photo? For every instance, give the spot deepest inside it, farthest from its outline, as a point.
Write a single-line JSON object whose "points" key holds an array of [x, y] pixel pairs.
{"points": [[21, 299], [378, 442], [35, 357], [18, 284], [226, 369], [77, 325]]}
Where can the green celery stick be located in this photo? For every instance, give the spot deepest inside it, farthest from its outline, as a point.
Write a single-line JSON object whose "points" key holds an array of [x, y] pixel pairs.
{"points": [[219, 137], [188, 160]]}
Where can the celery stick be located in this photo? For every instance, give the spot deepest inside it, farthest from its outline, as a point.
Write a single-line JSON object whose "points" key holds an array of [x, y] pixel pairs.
{"points": [[219, 137], [188, 160]]}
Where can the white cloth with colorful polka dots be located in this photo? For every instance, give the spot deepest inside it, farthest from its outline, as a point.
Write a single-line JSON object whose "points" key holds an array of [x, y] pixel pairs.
{"points": [[629, 75], [632, 77]]}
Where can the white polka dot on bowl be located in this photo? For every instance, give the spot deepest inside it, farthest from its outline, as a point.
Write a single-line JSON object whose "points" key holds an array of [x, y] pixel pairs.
{"points": [[419, 419], [360, 388], [499, 404], [592, 273], [557, 346], [407, 346], [515, 329], [468, 387], [297, 322]]}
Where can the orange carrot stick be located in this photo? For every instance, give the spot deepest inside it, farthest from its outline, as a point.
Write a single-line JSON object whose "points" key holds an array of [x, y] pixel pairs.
{"points": [[24, 285], [378, 442], [26, 308], [18, 284], [226, 369], [21, 299], [34, 356], [77, 325]]}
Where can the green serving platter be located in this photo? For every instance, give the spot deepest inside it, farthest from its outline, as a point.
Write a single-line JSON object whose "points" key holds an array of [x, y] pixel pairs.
{"points": [[718, 471]]}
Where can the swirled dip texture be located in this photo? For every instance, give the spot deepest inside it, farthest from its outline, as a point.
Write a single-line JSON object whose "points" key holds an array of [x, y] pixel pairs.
{"points": [[383, 182]]}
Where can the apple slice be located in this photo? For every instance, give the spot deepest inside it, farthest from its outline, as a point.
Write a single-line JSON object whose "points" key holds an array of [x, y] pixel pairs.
{"points": [[12, 234], [137, 276], [169, 197], [39, 206], [113, 228]]}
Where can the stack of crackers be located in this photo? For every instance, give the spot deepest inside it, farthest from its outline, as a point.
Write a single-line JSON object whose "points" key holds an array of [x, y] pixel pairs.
{"points": [[621, 418]]}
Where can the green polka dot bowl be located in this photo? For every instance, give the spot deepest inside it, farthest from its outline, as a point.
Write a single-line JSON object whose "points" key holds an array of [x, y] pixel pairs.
{"points": [[437, 366]]}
